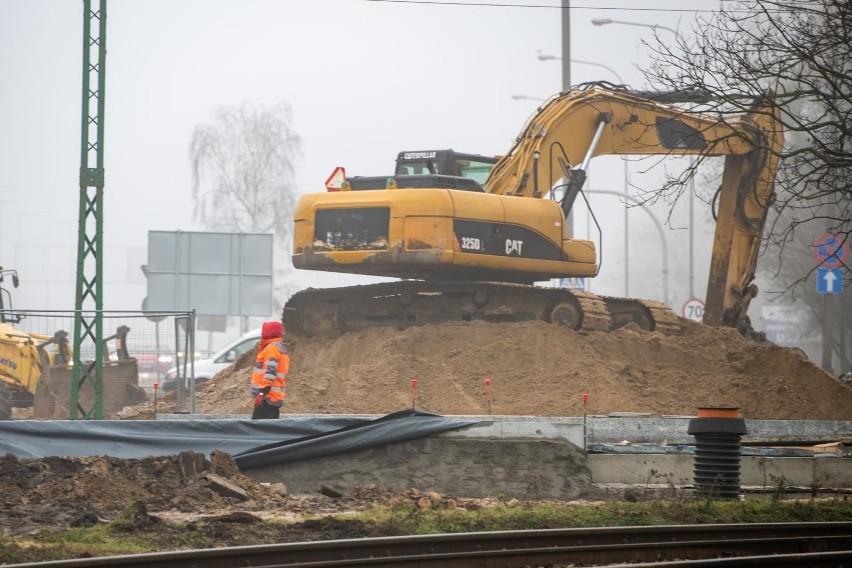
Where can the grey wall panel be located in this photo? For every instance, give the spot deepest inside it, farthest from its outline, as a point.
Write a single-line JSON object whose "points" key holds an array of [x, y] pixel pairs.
{"points": [[216, 274]]}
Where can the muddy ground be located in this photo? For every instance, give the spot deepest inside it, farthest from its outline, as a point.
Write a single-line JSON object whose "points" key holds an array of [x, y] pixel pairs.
{"points": [[534, 369], [174, 507], [180, 507]]}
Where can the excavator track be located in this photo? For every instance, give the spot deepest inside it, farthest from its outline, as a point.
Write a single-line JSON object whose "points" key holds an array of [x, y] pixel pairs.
{"points": [[649, 315], [665, 320], [331, 311]]}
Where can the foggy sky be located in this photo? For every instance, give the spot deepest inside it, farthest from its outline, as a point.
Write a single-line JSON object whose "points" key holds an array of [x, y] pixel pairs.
{"points": [[364, 80]]}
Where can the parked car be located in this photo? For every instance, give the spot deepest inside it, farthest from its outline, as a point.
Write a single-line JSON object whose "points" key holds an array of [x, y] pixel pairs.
{"points": [[153, 365], [206, 368]]}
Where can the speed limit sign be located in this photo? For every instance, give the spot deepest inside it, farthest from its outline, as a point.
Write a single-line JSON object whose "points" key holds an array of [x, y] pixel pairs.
{"points": [[693, 309]]}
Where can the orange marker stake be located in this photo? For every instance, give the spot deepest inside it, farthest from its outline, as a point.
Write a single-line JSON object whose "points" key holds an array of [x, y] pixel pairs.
{"points": [[488, 393], [585, 429], [413, 392], [156, 387]]}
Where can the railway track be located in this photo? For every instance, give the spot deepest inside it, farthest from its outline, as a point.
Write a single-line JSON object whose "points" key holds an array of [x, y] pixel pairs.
{"points": [[772, 544]]}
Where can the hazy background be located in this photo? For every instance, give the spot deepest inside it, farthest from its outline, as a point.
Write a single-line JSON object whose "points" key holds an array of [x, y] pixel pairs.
{"points": [[364, 80]]}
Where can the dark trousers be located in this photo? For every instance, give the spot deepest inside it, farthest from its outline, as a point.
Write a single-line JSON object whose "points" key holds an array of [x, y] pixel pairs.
{"points": [[265, 411]]}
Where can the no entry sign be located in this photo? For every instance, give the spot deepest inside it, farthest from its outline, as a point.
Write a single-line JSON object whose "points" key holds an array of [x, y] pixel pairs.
{"points": [[830, 251]]}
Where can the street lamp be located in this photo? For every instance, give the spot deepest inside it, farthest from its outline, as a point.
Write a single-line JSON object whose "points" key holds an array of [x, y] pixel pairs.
{"points": [[548, 57], [663, 245], [606, 21]]}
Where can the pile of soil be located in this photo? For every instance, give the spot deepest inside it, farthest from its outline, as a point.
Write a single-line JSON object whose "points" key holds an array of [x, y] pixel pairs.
{"points": [[172, 495], [534, 369]]}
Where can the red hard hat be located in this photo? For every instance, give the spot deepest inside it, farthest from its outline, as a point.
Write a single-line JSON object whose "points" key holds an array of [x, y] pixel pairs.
{"points": [[272, 329]]}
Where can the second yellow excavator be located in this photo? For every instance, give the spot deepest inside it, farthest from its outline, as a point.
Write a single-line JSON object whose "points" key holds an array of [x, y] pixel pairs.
{"points": [[469, 235], [36, 372]]}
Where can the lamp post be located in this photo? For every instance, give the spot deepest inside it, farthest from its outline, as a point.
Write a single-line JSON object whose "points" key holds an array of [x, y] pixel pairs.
{"points": [[548, 57], [606, 21], [566, 45], [664, 251]]}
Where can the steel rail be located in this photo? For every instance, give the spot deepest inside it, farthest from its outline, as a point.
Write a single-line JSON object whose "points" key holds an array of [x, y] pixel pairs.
{"points": [[803, 560], [812, 543]]}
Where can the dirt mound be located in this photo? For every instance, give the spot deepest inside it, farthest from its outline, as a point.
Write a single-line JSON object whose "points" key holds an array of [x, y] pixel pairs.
{"points": [[83, 491], [170, 495], [535, 369]]}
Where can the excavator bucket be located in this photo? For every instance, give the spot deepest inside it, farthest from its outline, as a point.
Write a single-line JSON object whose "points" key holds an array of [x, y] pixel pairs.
{"points": [[121, 388]]}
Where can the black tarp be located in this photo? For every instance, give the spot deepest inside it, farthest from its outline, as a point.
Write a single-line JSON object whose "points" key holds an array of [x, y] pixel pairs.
{"points": [[397, 427], [253, 443]]}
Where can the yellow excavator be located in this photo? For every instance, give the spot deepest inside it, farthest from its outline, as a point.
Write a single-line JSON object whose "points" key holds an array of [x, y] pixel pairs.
{"points": [[469, 235], [35, 369]]}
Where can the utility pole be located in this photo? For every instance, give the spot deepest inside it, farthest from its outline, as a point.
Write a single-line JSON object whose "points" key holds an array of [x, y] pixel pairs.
{"points": [[88, 304], [828, 333], [566, 46], [566, 86]]}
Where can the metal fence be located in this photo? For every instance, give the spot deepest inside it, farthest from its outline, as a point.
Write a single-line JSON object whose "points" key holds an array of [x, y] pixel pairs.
{"points": [[158, 341]]}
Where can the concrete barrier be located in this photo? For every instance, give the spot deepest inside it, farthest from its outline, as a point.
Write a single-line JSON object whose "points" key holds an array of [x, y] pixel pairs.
{"points": [[543, 457], [523, 468], [756, 472]]}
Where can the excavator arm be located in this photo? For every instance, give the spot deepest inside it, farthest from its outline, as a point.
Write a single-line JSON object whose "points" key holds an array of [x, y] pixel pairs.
{"points": [[744, 198], [573, 127]]}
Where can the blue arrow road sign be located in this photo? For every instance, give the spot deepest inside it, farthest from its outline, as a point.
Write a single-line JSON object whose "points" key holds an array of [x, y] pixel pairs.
{"points": [[829, 280]]}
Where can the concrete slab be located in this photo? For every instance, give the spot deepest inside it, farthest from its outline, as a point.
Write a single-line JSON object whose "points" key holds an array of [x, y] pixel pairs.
{"points": [[615, 429], [456, 466], [755, 471], [529, 429]]}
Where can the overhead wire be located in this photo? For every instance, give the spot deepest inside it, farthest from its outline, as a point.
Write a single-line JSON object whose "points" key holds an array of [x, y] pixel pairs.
{"points": [[552, 6]]}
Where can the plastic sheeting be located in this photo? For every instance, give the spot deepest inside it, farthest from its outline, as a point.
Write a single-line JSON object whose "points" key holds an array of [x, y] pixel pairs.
{"points": [[397, 427], [252, 443]]}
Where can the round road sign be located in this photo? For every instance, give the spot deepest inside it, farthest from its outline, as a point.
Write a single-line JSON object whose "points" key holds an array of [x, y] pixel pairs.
{"points": [[154, 317], [830, 251], [693, 309]]}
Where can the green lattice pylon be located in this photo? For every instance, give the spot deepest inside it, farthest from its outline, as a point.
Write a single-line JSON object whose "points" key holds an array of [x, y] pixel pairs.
{"points": [[88, 318]]}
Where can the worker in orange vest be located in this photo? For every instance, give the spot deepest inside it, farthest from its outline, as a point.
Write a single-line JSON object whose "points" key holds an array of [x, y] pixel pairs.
{"points": [[270, 372]]}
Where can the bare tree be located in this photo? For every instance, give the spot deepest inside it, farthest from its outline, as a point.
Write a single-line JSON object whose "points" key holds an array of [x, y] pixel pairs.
{"points": [[800, 53], [243, 168], [816, 315]]}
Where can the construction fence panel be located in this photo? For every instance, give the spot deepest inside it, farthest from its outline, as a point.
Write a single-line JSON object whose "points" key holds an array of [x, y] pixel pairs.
{"points": [[142, 351]]}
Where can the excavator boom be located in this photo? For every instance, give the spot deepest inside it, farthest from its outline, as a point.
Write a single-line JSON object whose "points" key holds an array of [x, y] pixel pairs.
{"points": [[577, 126], [744, 198]]}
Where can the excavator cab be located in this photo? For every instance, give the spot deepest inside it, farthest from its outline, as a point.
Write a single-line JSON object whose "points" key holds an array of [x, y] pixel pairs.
{"points": [[6, 298], [445, 162], [427, 169]]}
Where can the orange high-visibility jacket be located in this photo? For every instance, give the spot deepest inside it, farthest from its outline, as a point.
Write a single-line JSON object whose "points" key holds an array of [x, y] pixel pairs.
{"points": [[270, 370]]}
